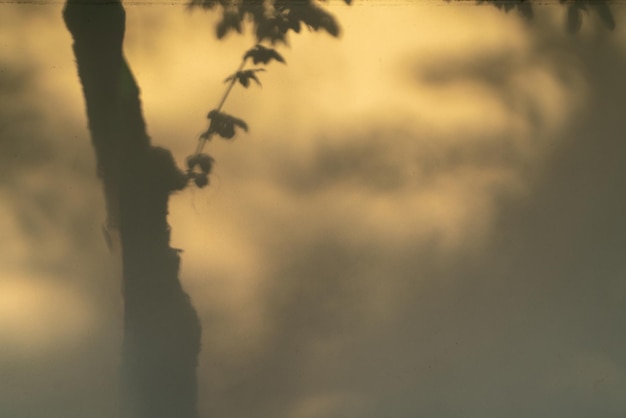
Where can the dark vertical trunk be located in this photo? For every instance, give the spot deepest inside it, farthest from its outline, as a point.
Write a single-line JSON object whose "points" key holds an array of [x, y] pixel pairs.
{"points": [[161, 328]]}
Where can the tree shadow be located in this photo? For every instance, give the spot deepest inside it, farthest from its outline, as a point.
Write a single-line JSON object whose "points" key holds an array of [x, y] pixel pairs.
{"points": [[161, 328]]}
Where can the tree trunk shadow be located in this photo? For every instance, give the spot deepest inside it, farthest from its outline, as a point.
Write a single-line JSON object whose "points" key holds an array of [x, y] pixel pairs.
{"points": [[161, 328]]}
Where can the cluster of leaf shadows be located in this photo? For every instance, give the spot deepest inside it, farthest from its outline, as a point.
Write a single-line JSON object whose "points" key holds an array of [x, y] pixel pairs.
{"points": [[575, 10], [199, 164], [271, 22]]}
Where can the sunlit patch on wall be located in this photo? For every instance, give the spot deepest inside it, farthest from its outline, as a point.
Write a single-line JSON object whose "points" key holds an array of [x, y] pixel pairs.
{"points": [[38, 314]]}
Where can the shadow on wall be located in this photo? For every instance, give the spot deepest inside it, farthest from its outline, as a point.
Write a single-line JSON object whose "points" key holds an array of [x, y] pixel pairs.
{"points": [[532, 324], [161, 328]]}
